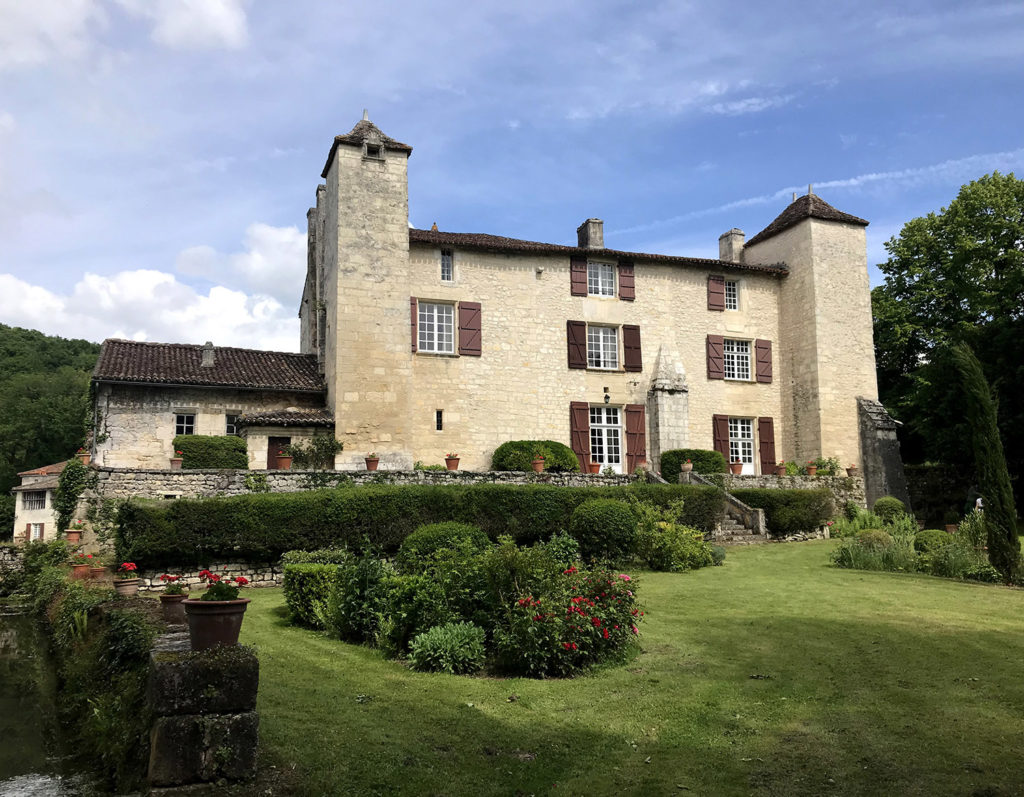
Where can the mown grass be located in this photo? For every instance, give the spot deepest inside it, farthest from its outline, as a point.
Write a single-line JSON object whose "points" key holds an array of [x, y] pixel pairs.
{"points": [[773, 675]]}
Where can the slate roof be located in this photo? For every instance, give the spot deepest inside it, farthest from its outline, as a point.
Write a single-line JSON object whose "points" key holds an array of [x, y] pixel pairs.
{"points": [[497, 243], [288, 418], [809, 206], [363, 131], [181, 364]]}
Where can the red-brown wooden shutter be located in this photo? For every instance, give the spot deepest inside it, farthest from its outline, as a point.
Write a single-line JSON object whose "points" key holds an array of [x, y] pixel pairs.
{"points": [[469, 329], [412, 321], [716, 357], [576, 338], [716, 292], [763, 354], [28, 532], [579, 431], [766, 444], [636, 436], [633, 354], [627, 286], [720, 434], [578, 276]]}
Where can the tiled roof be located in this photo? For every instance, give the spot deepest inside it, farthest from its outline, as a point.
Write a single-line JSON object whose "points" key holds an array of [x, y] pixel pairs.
{"points": [[181, 364], [288, 418], [365, 130], [49, 483], [809, 206], [46, 470], [497, 243]]}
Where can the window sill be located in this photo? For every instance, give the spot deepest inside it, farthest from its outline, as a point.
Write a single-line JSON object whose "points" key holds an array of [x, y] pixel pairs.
{"points": [[442, 354]]}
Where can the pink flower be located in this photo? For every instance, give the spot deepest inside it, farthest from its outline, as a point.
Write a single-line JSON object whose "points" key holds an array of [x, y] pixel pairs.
{"points": [[635, 630], [624, 577]]}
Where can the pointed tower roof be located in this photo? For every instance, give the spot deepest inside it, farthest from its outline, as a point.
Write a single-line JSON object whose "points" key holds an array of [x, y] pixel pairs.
{"points": [[809, 206], [365, 132]]}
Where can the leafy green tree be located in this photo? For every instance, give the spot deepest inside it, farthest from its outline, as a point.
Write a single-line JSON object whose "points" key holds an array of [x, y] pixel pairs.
{"points": [[955, 276], [994, 479]]}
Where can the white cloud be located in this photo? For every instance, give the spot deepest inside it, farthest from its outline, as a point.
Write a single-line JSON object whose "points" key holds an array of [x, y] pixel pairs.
{"points": [[750, 105], [194, 24], [34, 32]]}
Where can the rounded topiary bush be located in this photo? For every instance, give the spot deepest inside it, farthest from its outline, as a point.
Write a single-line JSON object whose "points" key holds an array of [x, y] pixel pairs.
{"points": [[518, 454], [888, 507], [455, 648], [875, 539], [931, 540], [433, 537], [703, 461], [604, 528]]}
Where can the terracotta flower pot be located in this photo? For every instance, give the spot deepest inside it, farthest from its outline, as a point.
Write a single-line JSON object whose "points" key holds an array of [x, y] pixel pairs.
{"points": [[174, 611], [73, 536], [852, 471], [951, 528], [594, 467], [84, 458], [126, 587], [452, 463], [371, 464], [780, 470], [537, 465], [736, 468], [284, 463], [213, 623], [80, 571], [812, 470], [97, 573], [176, 463], [686, 467]]}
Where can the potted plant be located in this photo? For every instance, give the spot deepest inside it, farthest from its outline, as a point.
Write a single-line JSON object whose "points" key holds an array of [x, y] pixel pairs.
{"points": [[372, 460], [171, 598], [284, 460], [451, 461], [215, 617], [593, 467], [687, 466], [176, 460], [736, 467], [83, 456], [126, 582], [812, 469], [780, 468], [851, 470], [537, 463], [80, 565], [74, 532]]}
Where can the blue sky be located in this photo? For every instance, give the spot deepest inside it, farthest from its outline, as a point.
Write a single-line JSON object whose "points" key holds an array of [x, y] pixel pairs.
{"points": [[157, 157]]}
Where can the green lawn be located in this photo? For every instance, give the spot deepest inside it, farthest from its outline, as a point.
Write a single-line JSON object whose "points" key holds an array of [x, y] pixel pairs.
{"points": [[773, 675]]}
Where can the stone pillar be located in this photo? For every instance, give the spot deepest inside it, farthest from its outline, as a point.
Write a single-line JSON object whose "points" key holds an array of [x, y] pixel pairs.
{"points": [[668, 408], [880, 453], [590, 234], [730, 246]]}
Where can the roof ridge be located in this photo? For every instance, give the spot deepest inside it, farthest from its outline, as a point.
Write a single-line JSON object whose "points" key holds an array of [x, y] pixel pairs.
{"points": [[808, 206], [200, 346]]}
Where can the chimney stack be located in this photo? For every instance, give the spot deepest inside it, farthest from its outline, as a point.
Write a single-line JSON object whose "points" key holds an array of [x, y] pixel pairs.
{"points": [[208, 354], [730, 246], [590, 234]]}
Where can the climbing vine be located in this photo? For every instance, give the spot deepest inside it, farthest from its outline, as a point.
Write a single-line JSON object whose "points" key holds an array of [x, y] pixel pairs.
{"points": [[73, 481]]}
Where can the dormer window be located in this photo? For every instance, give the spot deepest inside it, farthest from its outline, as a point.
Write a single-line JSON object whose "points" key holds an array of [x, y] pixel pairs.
{"points": [[375, 151]]}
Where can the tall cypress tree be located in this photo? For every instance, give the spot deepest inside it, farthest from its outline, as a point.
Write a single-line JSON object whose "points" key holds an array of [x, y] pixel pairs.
{"points": [[993, 477]]}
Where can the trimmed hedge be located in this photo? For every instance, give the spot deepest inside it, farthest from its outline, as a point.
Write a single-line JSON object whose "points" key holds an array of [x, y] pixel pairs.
{"points": [[887, 507], [434, 537], [604, 528], [259, 527], [790, 511], [703, 462], [212, 451], [518, 454], [930, 540], [306, 585]]}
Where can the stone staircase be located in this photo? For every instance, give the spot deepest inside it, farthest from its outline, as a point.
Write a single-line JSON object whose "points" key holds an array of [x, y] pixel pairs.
{"points": [[741, 524], [732, 532]]}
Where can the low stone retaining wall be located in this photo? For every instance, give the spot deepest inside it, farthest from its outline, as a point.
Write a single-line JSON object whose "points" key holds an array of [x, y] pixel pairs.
{"points": [[259, 576], [843, 488], [10, 559]]}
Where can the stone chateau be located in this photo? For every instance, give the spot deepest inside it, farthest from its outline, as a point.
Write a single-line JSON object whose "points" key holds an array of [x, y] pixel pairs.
{"points": [[416, 343]]}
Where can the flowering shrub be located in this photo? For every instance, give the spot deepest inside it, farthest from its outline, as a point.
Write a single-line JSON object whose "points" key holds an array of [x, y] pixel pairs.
{"points": [[219, 587], [455, 648]]}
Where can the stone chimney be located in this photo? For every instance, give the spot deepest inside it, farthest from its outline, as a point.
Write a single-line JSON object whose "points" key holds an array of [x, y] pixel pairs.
{"points": [[590, 234], [208, 354], [730, 246]]}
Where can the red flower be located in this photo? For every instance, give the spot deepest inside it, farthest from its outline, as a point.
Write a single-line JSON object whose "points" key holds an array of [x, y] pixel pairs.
{"points": [[241, 580], [605, 632], [596, 621], [538, 617], [565, 645]]}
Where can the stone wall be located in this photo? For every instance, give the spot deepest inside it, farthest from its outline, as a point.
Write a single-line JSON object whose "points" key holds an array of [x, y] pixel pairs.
{"points": [[272, 576], [10, 560], [843, 488]]}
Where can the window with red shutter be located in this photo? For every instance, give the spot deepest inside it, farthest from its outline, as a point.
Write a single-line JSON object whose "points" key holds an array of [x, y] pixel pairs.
{"points": [[469, 329], [627, 290], [716, 292], [636, 436], [716, 357], [578, 276], [766, 444], [579, 432], [720, 434], [412, 321], [632, 353], [763, 355], [576, 341]]}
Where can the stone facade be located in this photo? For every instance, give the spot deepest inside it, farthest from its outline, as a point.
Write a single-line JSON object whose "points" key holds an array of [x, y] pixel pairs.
{"points": [[843, 488]]}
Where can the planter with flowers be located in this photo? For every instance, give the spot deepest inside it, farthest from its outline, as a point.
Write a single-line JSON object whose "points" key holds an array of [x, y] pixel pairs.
{"points": [[74, 533], [812, 469], [852, 470], [176, 460], [215, 617], [687, 466], [451, 461], [284, 460], [81, 563], [83, 456], [171, 599], [537, 463], [126, 582], [372, 460], [736, 468], [780, 468]]}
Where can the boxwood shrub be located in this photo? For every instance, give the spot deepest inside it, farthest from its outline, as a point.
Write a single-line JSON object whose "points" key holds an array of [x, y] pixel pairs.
{"points": [[259, 527], [306, 586], [604, 528], [211, 451], [433, 537], [703, 462], [790, 511], [518, 454]]}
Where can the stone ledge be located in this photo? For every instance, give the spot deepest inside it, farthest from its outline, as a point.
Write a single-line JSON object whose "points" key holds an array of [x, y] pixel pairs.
{"points": [[218, 681], [203, 747]]}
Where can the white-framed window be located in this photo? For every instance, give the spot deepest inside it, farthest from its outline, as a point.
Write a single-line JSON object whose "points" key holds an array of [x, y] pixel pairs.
{"points": [[184, 423], [737, 359], [600, 279], [741, 442], [36, 531], [34, 499], [436, 332], [732, 295], [447, 265], [602, 347], [231, 423], [606, 437]]}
